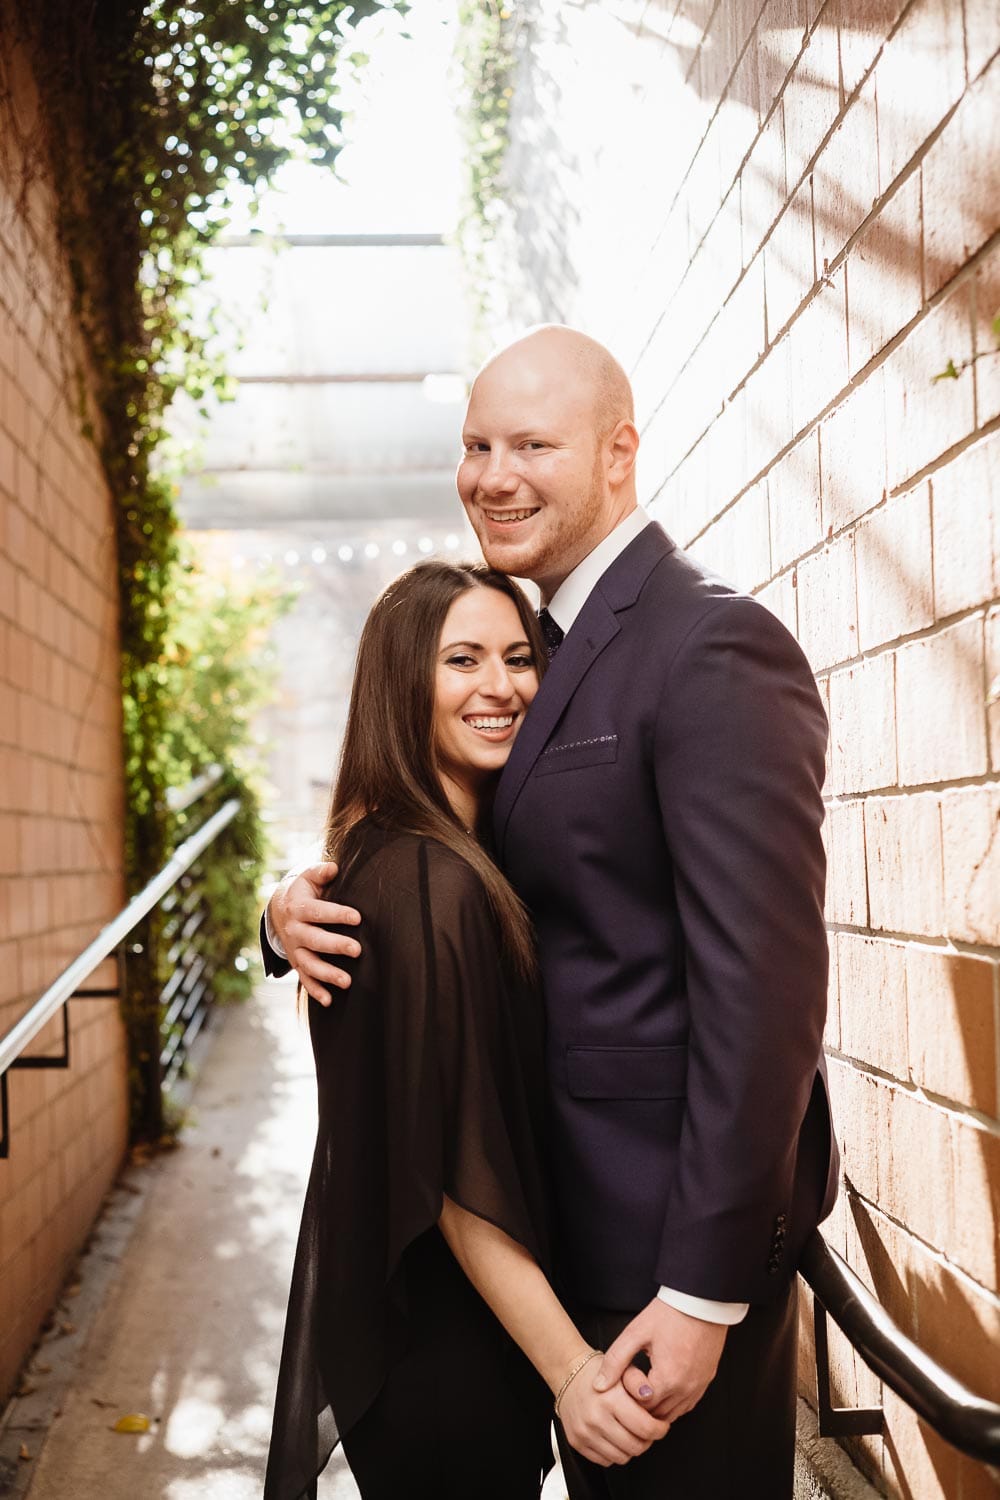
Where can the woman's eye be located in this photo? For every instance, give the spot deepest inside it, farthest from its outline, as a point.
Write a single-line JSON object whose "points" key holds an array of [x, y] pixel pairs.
{"points": [[461, 661], [520, 661]]}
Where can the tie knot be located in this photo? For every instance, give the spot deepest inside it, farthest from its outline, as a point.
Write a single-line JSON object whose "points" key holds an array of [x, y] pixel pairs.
{"points": [[552, 635]]}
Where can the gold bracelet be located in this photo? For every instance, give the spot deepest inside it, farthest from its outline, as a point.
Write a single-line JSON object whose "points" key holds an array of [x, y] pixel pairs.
{"points": [[574, 1372]]}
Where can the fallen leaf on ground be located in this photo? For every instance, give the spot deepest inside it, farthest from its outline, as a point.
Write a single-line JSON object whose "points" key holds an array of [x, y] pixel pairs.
{"points": [[133, 1421]]}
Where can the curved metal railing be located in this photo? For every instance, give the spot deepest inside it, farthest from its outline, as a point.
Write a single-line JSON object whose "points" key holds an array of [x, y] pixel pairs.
{"points": [[962, 1418]]}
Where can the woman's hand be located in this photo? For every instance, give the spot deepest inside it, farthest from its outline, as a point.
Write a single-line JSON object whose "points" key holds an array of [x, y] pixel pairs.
{"points": [[608, 1427], [300, 916]]}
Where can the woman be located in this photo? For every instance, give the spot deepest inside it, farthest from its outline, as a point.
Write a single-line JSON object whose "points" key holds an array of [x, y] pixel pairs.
{"points": [[419, 1267]]}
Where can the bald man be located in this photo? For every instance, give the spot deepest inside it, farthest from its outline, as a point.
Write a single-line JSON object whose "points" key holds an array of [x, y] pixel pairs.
{"points": [[660, 815]]}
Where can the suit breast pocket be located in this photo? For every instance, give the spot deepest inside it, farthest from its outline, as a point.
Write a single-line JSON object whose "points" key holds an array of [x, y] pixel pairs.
{"points": [[575, 754]]}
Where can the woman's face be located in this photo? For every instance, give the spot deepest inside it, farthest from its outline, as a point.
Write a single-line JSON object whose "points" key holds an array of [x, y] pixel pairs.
{"points": [[485, 679]]}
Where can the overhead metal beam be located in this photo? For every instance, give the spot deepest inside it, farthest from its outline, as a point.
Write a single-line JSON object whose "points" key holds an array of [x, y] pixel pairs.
{"points": [[325, 241], [373, 377]]}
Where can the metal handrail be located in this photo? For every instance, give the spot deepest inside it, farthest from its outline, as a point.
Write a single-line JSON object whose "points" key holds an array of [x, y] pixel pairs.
{"points": [[63, 988], [180, 797], [967, 1421]]}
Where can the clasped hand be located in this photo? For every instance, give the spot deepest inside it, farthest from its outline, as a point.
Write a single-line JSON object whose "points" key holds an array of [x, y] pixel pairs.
{"points": [[609, 1426], [616, 1414]]}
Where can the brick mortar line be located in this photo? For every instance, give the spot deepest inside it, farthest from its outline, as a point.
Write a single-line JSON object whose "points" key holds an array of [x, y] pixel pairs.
{"points": [[945, 947], [937, 942], [964, 1113], [896, 792], [933, 1250]]}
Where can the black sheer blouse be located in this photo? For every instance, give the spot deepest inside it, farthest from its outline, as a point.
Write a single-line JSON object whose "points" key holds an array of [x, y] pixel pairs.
{"points": [[430, 1075]]}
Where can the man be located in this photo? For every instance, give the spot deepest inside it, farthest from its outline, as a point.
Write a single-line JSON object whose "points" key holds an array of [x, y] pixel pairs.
{"points": [[660, 815]]}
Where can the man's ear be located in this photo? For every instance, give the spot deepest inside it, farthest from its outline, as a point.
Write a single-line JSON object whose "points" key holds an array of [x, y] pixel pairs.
{"points": [[622, 447]]}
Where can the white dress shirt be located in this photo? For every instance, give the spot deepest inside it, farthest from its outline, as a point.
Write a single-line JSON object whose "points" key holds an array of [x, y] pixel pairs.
{"points": [[564, 606]]}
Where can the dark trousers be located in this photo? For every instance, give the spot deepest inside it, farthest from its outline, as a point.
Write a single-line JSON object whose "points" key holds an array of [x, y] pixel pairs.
{"points": [[462, 1413], [739, 1441]]}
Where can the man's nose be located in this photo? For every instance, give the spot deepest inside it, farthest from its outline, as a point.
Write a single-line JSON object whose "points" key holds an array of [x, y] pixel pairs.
{"points": [[497, 476]]}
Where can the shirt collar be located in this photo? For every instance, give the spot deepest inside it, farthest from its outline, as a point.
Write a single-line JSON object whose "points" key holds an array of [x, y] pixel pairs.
{"points": [[574, 591]]}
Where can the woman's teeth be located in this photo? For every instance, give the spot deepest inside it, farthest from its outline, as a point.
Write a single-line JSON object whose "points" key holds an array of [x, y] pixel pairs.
{"points": [[498, 722]]}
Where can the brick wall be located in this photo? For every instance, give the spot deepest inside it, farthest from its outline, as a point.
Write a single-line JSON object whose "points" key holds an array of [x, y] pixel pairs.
{"points": [[60, 757], [783, 217]]}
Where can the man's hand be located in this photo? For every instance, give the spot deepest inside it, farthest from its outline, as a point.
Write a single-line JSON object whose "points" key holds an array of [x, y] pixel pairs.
{"points": [[683, 1354], [298, 914]]}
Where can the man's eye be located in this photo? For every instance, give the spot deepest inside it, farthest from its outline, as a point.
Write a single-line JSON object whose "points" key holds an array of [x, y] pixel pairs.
{"points": [[475, 448], [535, 444]]}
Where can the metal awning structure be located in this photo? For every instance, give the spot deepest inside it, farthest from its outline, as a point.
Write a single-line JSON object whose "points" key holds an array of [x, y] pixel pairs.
{"points": [[350, 382]]}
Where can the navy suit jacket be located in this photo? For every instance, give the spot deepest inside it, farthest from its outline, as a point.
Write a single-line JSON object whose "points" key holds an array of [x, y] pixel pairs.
{"points": [[660, 815]]}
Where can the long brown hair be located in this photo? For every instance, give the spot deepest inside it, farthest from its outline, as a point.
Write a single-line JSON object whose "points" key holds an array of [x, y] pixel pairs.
{"points": [[387, 762]]}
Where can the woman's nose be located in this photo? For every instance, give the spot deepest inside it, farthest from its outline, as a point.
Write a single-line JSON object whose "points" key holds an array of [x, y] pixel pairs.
{"points": [[496, 681]]}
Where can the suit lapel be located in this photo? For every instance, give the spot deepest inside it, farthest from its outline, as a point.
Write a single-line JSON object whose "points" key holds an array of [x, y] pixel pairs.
{"points": [[594, 627]]}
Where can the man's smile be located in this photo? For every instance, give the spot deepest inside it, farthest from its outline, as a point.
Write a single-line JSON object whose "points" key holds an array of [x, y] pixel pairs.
{"points": [[509, 517]]}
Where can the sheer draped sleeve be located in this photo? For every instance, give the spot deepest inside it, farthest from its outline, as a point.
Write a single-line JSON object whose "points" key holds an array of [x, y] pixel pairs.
{"points": [[430, 1082]]}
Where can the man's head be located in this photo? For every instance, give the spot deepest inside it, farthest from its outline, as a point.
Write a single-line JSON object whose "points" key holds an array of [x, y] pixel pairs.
{"points": [[550, 444]]}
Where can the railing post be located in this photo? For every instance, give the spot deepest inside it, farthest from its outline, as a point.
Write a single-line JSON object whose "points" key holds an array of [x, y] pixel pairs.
{"points": [[141, 1009]]}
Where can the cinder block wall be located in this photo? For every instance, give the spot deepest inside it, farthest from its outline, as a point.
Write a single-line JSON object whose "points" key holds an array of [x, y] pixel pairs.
{"points": [[783, 217], [60, 758]]}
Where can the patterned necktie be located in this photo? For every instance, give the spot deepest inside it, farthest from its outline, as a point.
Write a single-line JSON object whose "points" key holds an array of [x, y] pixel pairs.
{"points": [[551, 633]]}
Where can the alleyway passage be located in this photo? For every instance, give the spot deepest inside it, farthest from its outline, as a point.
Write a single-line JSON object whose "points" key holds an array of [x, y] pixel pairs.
{"points": [[190, 1332]]}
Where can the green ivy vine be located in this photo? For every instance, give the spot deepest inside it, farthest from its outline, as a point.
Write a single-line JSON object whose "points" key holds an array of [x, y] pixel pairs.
{"points": [[487, 58], [150, 117]]}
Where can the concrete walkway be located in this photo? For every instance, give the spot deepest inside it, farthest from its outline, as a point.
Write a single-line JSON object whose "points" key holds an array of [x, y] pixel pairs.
{"points": [[189, 1332]]}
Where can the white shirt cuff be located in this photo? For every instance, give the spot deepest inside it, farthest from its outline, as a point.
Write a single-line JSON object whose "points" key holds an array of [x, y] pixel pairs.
{"points": [[272, 937], [703, 1307]]}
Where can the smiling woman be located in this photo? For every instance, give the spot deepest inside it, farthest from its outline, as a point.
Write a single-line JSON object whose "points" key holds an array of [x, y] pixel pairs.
{"points": [[429, 1180]]}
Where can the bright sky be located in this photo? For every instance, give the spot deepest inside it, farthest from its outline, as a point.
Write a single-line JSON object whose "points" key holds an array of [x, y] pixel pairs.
{"points": [[401, 167]]}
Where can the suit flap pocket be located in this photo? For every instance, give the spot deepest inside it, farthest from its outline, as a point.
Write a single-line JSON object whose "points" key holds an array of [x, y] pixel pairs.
{"points": [[627, 1072], [577, 753]]}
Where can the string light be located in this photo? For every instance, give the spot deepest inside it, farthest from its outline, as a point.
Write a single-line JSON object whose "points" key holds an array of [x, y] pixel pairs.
{"points": [[345, 553]]}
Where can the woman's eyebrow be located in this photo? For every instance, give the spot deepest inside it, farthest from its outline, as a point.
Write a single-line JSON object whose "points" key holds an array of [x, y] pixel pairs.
{"points": [[476, 646]]}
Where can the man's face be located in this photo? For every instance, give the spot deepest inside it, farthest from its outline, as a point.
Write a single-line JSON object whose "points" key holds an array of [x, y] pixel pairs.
{"points": [[532, 477]]}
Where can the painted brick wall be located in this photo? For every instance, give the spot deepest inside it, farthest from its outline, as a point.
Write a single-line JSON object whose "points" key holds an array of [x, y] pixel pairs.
{"points": [[60, 758], [783, 216]]}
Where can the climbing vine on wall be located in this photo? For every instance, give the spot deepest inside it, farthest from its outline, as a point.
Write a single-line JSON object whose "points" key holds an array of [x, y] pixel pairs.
{"points": [[487, 56], [151, 116]]}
